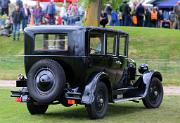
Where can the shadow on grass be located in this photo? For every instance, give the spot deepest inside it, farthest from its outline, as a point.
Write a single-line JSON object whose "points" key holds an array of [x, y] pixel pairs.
{"points": [[80, 113]]}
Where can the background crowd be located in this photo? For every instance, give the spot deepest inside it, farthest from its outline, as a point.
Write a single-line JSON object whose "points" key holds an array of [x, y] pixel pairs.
{"points": [[139, 15], [72, 14], [23, 16]]}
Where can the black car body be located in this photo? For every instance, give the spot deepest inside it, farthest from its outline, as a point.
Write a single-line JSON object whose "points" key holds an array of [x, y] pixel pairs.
{"points": [[83, 65]]}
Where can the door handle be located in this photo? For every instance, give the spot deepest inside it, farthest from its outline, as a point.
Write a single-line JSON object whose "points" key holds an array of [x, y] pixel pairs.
{"points": [[119, 62]]}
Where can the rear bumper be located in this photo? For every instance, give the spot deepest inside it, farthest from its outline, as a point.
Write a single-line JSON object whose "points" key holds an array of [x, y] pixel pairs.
{"points": [[70, 94], [21, 95]]}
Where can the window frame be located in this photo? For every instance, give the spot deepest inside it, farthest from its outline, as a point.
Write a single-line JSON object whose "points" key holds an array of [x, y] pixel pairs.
{"points": [[114, 52], [104, 42], [126, 43], [47, 50]]}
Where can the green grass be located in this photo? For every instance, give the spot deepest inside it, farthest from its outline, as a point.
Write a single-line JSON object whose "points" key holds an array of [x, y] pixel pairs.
{"points": [[150, 43], [10, 63], [157, 47], [128, 112], [9, 48]]}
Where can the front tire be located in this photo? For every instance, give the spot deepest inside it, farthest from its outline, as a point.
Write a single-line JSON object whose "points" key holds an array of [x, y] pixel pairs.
{"points": [[99, 107], [35, 109], [155, 94]]}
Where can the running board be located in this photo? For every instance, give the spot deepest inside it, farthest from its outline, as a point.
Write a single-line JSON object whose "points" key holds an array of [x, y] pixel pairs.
{"points": [[123, 90], [127, 99]]}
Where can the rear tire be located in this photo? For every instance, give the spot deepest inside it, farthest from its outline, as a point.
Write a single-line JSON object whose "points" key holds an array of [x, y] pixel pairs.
{"points": [[99, 107], [35, 108], [155, 94]]}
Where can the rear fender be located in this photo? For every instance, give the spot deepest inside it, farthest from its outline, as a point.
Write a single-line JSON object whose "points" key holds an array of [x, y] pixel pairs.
{"points": [[88, 95], [147, 77]]}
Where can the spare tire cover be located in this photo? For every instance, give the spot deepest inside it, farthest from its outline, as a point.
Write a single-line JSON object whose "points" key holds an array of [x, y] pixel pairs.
{"points": [[45, 81]]}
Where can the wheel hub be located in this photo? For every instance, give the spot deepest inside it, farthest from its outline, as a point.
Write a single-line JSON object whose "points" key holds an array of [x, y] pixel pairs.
{"points": [[45, 80], [101, 100], [155, 93], [99, 103]]}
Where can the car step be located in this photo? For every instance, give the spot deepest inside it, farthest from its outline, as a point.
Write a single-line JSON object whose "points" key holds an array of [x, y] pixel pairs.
{"points": [[123, 90], [127, 99]]}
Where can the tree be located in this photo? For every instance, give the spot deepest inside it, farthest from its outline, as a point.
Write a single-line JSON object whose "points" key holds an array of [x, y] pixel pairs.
{"points": [[115, 3], [93, 12], [94, 8]]}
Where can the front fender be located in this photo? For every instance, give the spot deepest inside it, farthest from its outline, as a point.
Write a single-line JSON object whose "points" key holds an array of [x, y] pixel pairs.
{"points": [[88, 95], [147, 77]]}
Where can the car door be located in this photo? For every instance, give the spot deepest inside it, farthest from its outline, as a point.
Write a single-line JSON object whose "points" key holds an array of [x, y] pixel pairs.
{"points": [[122, 54], [96, 52], [114, 63]]}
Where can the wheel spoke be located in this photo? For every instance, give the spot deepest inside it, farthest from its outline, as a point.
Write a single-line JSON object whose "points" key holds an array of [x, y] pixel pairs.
{"points": [[154, 93]]}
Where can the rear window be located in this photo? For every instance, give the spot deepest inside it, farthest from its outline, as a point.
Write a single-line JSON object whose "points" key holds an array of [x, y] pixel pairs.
{"points": [[51, 42]]}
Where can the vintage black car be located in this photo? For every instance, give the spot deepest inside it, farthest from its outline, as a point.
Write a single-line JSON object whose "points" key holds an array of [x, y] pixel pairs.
{"points": [[83, 65]]}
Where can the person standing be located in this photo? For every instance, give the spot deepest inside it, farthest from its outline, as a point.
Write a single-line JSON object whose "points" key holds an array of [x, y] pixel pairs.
{"points": [[17, 17], [172, 18], [51, 11], [108, 10], [5, 7], [147, 22], [103, 19], [126, 10], [140, 15], [63, 13], [114, 18], [120, 19], [37, 14], [154, 17], [160, 18], [26, 16], [177, 12], [19, 3], [72, 13]]}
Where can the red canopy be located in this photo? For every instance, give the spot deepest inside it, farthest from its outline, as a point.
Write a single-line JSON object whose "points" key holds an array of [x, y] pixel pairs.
{"points": [[68, 1]]}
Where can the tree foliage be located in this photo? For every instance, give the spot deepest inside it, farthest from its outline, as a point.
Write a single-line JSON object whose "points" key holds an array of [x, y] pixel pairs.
{"points": [[115, 3]]}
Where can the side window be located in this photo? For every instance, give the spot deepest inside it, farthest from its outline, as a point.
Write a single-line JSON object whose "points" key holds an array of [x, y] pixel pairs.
{"points": [[96, 42], [122, 46], [111, 42], [51, 42]]}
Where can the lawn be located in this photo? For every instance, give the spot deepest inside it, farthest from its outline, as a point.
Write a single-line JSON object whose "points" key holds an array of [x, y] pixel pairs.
{"points": [[10, 63], [157, 47], [127, 112]]}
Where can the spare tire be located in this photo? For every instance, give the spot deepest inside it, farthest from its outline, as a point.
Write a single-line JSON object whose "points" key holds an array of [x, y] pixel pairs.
{"points": [[45, 81]]}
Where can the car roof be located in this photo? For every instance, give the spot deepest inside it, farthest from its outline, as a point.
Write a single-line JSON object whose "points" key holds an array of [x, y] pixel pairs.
{"points": [[70, 28]]}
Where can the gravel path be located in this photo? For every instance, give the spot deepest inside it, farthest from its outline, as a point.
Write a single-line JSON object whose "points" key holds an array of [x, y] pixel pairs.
{"points": [[168, 90], [7, 83]]}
